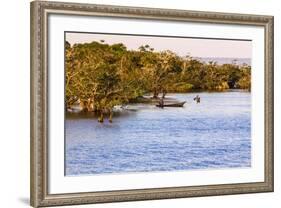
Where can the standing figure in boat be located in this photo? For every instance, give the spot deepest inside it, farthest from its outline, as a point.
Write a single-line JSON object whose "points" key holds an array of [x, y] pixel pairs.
{"points": [[197, 99]]}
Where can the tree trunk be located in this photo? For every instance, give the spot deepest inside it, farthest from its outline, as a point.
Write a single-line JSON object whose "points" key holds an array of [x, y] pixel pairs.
{"points": [[84, 106], [155, 94], [110, 116], [164, 94], [90, 105], [101, 117]]}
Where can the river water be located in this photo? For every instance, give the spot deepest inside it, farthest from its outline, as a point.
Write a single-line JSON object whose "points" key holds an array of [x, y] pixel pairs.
{"points": [[211, 135]]}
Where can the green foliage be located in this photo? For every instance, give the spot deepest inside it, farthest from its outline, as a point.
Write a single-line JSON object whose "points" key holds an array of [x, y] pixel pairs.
{"points": [[244, 81], [102, 75]]}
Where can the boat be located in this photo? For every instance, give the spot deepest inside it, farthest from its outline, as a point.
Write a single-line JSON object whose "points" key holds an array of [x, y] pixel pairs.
{"points": [[76, 107], [130, 108], [120, 108], [180, 104]]}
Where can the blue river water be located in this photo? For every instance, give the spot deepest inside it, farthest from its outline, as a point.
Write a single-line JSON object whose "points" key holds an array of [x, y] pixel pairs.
{"points": [[211, 135]]}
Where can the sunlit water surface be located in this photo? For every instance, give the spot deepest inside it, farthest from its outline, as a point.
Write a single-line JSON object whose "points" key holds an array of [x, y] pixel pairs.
{"points": [[211, 135]]}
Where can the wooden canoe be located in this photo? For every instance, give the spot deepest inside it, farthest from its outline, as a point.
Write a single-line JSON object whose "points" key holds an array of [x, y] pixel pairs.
{"points": [[172, 105]]}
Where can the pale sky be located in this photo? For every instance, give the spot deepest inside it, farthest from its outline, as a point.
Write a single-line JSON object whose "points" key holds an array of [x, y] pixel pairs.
{"points": [[182, 46]]}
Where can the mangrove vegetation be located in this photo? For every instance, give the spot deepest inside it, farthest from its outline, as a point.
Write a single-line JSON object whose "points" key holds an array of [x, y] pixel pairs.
{"points": [[101, 76]]}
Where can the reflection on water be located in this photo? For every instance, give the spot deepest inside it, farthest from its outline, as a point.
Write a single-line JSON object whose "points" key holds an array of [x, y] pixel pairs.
{"points": [[213, 134]]}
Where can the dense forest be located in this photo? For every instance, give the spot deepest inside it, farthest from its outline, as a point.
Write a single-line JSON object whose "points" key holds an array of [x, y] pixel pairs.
{"points": [[102, 75]]}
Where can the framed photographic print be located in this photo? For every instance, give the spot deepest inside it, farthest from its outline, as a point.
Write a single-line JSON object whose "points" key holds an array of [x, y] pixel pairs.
{"points": [[138, 103]]}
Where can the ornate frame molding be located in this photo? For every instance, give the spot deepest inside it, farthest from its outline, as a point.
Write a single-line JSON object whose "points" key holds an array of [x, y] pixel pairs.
{"points": [[39, 107]]}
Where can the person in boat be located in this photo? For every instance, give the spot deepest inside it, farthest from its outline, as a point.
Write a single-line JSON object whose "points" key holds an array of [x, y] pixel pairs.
{"points": [[161, 103], [197, 99]]}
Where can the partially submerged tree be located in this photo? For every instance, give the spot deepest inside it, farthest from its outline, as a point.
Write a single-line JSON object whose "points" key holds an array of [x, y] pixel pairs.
{"points": [[159, 68], [101, 76]]}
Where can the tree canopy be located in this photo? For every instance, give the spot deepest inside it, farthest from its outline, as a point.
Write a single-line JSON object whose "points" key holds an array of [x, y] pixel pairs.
{"points": [[102, 75]]}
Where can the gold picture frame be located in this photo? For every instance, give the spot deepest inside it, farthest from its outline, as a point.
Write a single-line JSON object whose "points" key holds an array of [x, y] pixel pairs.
{"points": [[39, 103]]}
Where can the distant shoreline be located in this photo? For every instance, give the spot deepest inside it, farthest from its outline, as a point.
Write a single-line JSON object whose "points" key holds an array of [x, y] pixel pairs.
{"points": [[225, 60], [147, 98]]}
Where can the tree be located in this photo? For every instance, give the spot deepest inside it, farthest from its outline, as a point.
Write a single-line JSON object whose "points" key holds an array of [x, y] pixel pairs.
{"points": [[102, 75], [159, 67], [108, 91], [245, 81]]}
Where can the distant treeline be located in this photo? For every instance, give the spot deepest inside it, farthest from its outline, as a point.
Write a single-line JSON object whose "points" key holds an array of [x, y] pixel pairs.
{"points": [[102, 75]]}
